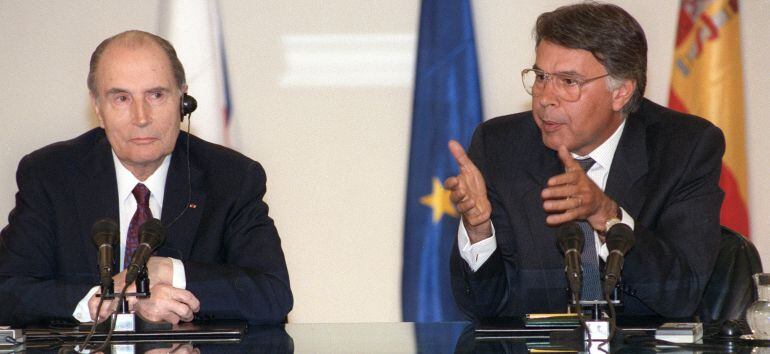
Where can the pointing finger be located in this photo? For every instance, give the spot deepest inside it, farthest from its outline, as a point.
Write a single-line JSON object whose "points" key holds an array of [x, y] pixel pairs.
{"points": [[460, 156], [567, 160]]}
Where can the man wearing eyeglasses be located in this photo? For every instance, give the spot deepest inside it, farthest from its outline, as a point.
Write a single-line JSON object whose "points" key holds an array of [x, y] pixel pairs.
{"points": [[592, 150]]}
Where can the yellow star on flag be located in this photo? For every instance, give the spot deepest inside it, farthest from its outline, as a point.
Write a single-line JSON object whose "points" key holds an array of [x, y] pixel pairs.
{"points": [[439, 201]]}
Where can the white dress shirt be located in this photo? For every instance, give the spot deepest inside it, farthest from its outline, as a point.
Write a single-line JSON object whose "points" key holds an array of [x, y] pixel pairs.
{"points": [[127, 207], [478, 253]]}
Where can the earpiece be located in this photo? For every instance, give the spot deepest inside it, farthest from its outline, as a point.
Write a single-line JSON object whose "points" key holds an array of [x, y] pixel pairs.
{"points": [[188, 105]]}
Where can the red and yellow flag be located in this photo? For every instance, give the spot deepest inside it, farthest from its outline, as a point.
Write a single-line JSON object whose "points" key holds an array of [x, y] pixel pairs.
{"points": [[707, 80]]}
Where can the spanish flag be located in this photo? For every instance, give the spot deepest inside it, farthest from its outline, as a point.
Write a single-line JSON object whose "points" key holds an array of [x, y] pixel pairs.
{"points": [[707, 81]]}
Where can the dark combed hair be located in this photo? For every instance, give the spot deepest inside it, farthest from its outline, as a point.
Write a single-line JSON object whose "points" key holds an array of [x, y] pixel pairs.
{"points": [[135, 38], [610, 33]]}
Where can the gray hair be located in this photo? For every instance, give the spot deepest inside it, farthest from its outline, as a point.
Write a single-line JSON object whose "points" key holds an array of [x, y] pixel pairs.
{"points": [[612, 35]]}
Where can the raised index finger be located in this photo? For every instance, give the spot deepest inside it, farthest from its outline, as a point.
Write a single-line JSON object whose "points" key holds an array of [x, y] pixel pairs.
{"points": [[567, 160], [460, 156]]}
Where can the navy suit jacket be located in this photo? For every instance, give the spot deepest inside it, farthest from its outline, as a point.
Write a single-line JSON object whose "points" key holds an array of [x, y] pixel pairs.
{"points": [[665, 174], [229, 246]]}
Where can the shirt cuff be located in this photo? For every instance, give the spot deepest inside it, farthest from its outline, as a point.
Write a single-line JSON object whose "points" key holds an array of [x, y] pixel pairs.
{"points": [[82, 313], [604, 252], [178, 278], [478, 253]]}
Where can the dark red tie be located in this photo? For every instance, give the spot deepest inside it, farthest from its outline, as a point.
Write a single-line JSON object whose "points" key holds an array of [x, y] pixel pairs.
{"points": [[142, 195]]}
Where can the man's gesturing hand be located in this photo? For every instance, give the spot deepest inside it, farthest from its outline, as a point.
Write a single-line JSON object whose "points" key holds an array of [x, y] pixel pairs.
{"points": [[469, 193], [573, 196]]}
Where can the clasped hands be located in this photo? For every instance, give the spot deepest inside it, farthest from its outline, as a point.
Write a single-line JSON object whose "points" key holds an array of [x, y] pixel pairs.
{"points": [[568, 196], [166, 303]]}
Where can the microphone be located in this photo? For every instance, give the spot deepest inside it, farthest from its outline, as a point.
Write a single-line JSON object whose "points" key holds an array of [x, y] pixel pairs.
{"points": [[151, 234], [620, 238], [569, 239], [106, 237]]}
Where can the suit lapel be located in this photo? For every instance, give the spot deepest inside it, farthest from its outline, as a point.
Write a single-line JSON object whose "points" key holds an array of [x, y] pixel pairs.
{"points": [[183, 203], [624, 184], [97, 192], [544, 163]]}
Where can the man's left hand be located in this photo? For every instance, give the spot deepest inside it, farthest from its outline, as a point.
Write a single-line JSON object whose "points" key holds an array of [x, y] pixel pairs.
{"points": [[573, 196], [166, 303]]}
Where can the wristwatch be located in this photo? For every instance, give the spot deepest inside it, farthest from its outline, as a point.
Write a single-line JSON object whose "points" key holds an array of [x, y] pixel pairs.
{"points": [[610, 223], [613, 220]]}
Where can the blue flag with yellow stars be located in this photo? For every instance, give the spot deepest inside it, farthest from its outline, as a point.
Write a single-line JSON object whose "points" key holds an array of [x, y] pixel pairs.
{"points": [[447, 105]]}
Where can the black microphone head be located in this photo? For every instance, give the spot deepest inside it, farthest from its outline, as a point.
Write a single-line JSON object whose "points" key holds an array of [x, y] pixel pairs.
{"points": [[620, 237], [152, 232], [105, 231], [569, 236]]}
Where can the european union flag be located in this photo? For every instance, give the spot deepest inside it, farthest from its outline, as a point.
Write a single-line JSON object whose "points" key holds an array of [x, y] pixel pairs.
{"points": [[447, 105]]}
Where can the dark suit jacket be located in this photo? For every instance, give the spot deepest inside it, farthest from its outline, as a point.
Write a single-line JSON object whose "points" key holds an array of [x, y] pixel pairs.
{"points": [[229, 246], [665, 174]]}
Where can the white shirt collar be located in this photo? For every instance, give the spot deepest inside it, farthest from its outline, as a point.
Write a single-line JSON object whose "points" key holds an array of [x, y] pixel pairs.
{"points": [[156, 183], [605, 152]]}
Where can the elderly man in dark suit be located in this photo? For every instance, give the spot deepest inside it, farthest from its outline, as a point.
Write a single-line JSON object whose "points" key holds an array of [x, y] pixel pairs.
{"points": [[593, 151], [222, 256]]}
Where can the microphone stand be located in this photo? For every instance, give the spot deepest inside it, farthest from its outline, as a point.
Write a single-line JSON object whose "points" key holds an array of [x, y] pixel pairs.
{"points": [[127, 321], [121, 319], [597, 307], [601, 327], [598, 328]]}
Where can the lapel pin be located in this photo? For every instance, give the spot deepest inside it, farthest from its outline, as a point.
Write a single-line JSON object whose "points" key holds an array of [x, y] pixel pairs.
{"points": [[192, 206]]}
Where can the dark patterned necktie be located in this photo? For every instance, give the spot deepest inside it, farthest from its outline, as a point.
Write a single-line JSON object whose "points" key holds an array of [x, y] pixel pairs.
{"points": [[591, 277], [142, 196]]}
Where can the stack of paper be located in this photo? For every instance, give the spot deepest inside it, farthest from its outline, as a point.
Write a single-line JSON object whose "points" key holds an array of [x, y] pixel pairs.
{"points": [[680, 332]]}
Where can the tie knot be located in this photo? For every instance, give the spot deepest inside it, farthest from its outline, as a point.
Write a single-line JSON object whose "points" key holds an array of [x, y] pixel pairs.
{"points": [[142, 194], [586, 163]]}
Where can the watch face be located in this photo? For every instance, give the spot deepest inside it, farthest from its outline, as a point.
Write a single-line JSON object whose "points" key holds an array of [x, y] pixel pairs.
{"points": [[610, 223]]}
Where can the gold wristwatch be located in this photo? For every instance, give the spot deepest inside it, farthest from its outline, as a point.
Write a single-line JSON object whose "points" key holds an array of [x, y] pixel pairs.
{"points": [[613, 220], [610, 223]]}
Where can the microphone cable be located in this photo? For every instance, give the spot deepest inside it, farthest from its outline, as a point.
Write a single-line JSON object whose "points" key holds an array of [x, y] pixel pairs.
{"points": [[87, 341], [96, 322], [113, 319]]}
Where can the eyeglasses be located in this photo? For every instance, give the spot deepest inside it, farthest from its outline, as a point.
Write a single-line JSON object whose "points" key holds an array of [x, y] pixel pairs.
{"points": [[567, 87]]}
